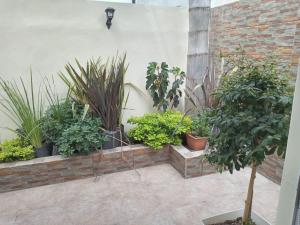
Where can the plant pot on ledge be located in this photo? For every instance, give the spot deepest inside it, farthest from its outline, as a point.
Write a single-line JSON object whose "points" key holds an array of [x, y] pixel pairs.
{"points": [[42, 151], [233, 215], [112, 139], [196, 143]]}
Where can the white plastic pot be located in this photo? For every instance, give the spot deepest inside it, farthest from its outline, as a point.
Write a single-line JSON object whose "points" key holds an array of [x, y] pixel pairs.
{"points": [[259, 220]]}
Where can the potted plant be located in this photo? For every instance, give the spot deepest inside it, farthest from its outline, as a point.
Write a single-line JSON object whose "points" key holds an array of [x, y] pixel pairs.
{"points": [[59, 116], [252, 120], [25, 108], [101, 86], [196, 139]]}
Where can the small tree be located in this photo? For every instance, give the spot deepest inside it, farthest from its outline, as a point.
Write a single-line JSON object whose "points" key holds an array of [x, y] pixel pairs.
{"points": [[158, 80], [251, 119]]}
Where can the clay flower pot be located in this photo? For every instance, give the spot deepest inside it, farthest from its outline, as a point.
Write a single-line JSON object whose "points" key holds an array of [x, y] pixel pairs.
{"points": [[196, 143]]}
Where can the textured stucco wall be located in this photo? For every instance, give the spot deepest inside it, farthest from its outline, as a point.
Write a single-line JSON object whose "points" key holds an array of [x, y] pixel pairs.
{"points": [[261, 26], [47, 34]]}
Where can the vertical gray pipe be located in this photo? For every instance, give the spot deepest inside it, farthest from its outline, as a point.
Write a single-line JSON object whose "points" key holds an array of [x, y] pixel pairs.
{"points": [[198, 45]]}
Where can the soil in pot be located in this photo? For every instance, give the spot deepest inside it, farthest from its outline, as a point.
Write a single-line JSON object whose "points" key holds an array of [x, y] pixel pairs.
{"points": [[237, 221], [195, 143]]}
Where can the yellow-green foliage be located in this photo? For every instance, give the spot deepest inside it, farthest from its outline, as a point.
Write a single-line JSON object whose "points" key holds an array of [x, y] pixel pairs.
{"points": [[158, 129], [12, 150]]}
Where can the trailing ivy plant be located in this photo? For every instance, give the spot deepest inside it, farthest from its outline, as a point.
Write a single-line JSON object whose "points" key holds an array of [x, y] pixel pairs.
{"points": [[251, 118], [159, 129], [158, 83]]}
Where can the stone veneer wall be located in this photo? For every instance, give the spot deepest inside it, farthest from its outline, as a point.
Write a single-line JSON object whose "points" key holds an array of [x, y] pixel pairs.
{"points": [[56, 169], [260, 26], [272, 168], [190, 163]]}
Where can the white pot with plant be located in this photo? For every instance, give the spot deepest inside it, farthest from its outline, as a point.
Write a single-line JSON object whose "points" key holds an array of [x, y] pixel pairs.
{"points": [[252, 118]]}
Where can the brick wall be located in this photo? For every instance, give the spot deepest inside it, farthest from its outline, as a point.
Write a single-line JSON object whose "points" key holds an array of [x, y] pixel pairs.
{"points": [[190, 163], [57, 169], [260, 26]]}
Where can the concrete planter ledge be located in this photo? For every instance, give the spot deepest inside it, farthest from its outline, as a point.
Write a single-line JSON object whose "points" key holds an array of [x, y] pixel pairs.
{"points": [[57, 169], [259, 220], [190, 163]]}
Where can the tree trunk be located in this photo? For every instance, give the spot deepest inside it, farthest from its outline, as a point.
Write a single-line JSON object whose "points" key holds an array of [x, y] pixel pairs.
{"points": [[248, 202]]}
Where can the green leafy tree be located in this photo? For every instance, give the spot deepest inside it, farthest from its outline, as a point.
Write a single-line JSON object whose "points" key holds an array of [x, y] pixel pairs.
{"points": [[251, 119], [158, 83]]}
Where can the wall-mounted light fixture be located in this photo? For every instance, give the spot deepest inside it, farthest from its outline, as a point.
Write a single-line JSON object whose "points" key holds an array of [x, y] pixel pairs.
{"points": [[109, 15]]}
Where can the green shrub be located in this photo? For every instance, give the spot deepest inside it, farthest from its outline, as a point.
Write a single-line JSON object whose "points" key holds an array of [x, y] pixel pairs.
{"points": [[58, 117], [200, 126], [84, 136], [158, 129], [12, 150], [24, 108]]}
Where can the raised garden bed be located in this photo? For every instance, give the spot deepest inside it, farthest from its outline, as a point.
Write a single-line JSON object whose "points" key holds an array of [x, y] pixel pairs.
{"points": [[56, 169]]}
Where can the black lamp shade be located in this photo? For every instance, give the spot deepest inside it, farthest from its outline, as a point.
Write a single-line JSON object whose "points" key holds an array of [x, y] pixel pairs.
{"points": [[109, 16], [109, 12]]}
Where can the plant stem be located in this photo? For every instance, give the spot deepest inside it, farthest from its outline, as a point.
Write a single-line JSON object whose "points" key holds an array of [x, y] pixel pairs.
{"points": [[248, 202]]}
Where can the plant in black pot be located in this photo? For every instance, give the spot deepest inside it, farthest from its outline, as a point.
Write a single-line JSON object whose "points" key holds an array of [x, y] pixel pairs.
{"points": [[25, 109], [58, 117], [101, 86], [252, 118], [196, 139]]}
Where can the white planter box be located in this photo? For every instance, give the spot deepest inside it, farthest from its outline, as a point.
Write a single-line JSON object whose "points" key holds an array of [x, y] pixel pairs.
{"points": [[233, 215]]}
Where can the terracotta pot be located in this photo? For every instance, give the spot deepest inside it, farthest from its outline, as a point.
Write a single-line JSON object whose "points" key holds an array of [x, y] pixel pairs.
{"points": [[196, 143]]}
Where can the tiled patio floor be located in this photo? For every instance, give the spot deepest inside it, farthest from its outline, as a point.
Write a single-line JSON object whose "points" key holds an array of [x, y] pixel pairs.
{"points": [[155, 195]]}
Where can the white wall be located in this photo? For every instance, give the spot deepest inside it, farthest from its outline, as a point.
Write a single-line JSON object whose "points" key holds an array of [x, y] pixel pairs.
{"points": [[291, 170], [217, 3], [164, 2], [47, 34], [173, 3], [185, 3]]}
